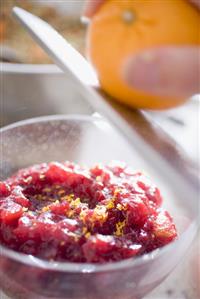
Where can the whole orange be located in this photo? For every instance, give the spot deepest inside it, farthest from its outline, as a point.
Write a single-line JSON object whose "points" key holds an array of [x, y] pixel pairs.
{"points": [[122, 28]]}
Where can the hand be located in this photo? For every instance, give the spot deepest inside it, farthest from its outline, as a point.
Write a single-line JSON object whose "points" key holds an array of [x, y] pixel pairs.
{"points": [[164, 71]]}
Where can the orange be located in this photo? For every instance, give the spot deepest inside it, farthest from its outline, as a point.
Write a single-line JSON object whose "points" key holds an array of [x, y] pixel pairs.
{"points": [[122, 28]]}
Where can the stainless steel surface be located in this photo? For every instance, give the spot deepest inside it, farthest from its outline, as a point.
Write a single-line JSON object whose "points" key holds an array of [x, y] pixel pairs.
{"points": [[182, 124], [34, 90]]}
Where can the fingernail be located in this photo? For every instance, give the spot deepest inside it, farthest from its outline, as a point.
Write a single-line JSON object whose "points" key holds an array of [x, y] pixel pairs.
{"points": [[86, 9], [85, 20], [142, 72]]}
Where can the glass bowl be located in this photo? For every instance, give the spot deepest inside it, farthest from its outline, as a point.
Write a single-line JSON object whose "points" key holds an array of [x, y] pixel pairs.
{"points": [[87, 140]]}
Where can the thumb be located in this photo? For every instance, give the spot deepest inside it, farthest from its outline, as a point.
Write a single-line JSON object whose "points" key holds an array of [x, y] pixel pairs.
{"points": [[170, 71]]}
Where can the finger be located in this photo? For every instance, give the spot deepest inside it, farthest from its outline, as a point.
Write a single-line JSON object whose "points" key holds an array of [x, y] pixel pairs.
{"points": [[91, 6], [196, 3], [171, 71]]}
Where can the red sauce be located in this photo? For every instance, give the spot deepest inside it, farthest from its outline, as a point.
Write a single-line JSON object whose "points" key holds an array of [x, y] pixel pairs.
{"points": [[65, 212]]}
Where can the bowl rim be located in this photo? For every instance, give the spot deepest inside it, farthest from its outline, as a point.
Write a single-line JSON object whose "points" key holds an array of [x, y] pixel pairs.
{"points": [[87, 267]]}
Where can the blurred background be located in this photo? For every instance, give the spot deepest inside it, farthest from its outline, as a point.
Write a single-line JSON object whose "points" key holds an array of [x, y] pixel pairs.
{"points": [[18, 47]]}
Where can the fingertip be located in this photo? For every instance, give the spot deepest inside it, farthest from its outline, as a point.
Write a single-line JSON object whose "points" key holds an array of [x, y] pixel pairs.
{"points": [[90, 7], [165, 71], [139, 71]]}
